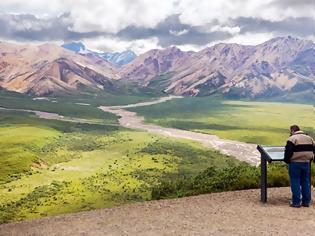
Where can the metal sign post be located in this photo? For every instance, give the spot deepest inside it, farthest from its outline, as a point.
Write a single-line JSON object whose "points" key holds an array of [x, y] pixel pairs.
{"points": [[263, 180]]}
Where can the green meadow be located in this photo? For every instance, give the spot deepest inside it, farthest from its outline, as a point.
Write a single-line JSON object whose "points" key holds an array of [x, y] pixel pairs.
{"points": [[253, 122], [53, 167], [50, 167], [73, 105]]}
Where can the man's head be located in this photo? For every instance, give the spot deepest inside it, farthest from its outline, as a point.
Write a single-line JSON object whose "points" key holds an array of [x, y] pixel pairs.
{"points": [[294, 128]]}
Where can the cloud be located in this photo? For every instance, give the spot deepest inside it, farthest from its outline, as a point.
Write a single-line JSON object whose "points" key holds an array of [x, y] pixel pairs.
{"points": [[248, 38], [294, 3], [206, 11], [172, 32], [36, 7], [302, 26], [184, 23], [113, 16], [112, 44], [178, 33], [291, 9], [26, 27]]}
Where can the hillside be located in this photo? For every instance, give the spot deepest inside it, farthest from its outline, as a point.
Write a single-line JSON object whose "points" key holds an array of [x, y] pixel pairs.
{"points": [[227, 213], [49, 70]]}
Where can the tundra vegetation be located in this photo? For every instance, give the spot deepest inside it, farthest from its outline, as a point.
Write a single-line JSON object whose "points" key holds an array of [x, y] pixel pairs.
{"points": [[50, 167], [258, 122]]}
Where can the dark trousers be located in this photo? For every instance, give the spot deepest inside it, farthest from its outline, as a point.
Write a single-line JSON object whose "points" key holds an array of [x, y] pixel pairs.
{"points": [[299, 173]]}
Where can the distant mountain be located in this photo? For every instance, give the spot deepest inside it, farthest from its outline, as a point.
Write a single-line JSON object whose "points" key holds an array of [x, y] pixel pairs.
{"points": [[116, 58], [51, 70], [153, 63], [74, 46], [277, 67]]}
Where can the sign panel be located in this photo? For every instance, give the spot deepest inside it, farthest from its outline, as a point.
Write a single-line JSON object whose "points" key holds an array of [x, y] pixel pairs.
{"points": [[275, 153]]}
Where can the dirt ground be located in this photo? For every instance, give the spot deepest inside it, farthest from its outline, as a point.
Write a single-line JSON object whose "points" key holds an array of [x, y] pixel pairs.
{"points": [[228, 213]]}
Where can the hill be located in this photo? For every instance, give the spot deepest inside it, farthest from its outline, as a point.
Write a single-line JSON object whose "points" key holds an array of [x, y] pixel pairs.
{"points": [[49, 70]]}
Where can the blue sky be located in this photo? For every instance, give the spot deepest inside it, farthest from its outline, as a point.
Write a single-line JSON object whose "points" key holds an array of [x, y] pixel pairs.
{"points": [[140, 25]]}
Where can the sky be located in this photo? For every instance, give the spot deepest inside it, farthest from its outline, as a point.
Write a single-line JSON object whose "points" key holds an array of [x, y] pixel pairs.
{"points": [[141, 25]]}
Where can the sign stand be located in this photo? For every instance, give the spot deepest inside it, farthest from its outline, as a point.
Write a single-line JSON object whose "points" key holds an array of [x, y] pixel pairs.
{"points": [[263, 180]]}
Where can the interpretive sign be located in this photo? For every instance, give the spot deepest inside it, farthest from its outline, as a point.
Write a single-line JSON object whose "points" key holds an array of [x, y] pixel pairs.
{"points": [[271, 153], [268, 154]]}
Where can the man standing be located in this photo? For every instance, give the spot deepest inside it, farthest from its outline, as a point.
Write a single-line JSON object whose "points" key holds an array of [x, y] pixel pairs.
{"points": [[299, 151]]}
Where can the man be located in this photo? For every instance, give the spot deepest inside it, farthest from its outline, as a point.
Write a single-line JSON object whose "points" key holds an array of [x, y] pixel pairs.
{"points": [[299, 151]]}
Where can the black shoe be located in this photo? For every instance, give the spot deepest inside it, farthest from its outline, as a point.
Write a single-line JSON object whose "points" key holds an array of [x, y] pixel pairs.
{"points": [[293, 205], [305, 205]]}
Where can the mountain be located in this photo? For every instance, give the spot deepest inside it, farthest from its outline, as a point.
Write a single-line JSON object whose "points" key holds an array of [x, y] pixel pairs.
{"points": [[50, 70], [277, 67], [116, 58], [74, 46], [152, 63], [304, 63]]}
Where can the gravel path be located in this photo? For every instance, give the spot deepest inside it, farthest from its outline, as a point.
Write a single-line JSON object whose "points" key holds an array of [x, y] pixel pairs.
{"points": [[228, 213], [242, 151]]}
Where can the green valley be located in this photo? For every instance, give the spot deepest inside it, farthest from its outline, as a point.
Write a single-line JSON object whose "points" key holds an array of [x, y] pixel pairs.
{"points": [[248, 121], [52, 167]]}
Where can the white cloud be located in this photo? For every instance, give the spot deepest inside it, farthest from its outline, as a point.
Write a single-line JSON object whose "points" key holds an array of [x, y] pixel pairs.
{"points": [[248, 38], [190, 47], [100, 15], [116, 45], [178, 33], [113, 15], [231, 30], [39, 8], [205, 11]]}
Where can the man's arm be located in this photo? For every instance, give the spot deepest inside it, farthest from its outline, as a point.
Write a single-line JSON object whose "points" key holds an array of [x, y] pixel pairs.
{"points": [[288, 152]]}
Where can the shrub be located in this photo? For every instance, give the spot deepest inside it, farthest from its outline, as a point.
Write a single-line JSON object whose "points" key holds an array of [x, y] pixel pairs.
{"points": [[233, 177]]}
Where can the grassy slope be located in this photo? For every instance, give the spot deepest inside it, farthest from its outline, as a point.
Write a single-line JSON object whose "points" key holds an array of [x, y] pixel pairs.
{"points": [[256, 122], [67, 105], [54, 167]]}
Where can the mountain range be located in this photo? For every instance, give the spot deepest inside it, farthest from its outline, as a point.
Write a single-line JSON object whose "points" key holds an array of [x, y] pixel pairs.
{"points": [[279, 66], [116, 58], [282, 66]]}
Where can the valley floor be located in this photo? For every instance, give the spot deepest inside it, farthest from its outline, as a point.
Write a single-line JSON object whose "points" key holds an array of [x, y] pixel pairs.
{"points": [[52, 163], [240, 150], [227, 213]]}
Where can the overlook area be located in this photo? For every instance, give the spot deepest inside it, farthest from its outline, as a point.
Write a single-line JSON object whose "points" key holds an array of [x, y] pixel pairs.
{"points": [[226, 213]]}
